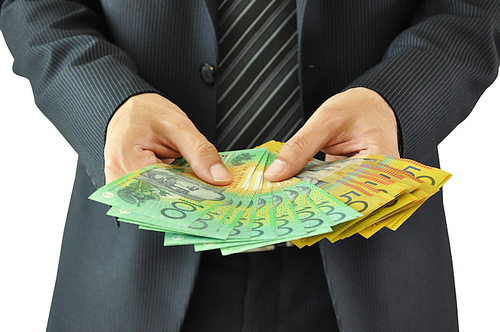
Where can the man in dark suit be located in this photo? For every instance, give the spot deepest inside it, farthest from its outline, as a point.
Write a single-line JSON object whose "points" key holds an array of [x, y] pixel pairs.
{"points": [[129, 84]]}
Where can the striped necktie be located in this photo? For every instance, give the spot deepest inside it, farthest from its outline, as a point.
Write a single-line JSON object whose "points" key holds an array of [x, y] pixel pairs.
{"points": [[258, 90]]}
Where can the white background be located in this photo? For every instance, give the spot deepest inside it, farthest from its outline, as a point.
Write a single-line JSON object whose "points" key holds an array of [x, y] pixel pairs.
{"points": [[37, 168]]}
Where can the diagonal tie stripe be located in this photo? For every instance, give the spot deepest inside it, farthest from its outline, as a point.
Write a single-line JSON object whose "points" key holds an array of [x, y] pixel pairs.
{"points": [[262, 73], [258, 95]]}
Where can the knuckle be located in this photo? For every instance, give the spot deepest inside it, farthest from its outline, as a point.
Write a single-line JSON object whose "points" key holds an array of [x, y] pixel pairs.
{"points": [[127, 159], [298, 144], [112, 167], [203, 149]]}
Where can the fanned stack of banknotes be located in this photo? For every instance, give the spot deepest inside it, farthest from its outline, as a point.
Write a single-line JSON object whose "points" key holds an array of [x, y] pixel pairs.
{"points": [[332, 200]]}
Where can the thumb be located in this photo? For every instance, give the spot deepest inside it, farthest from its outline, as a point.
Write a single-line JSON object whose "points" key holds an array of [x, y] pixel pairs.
{"points": [[293, 156], [204, 159]]}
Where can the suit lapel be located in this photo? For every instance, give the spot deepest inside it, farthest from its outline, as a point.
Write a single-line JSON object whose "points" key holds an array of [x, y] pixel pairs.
{"points": [[212, 6], [301, 6]]}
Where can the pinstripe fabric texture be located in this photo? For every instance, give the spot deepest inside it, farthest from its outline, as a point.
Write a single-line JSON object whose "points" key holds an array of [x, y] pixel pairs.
{"points": [[430, 59], [258, 88]]}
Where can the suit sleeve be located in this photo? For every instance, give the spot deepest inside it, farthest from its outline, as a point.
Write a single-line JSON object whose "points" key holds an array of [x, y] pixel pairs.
{"points": [[79, 78], [434, 72]]}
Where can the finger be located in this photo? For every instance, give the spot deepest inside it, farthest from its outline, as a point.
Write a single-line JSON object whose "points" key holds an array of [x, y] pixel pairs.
{"points": [[167, 160], [330, 157], [203, 158], [295, 154]]}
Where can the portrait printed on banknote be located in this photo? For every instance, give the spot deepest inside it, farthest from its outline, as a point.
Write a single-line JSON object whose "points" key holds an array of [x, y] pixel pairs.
{"points": [[178, 185]]}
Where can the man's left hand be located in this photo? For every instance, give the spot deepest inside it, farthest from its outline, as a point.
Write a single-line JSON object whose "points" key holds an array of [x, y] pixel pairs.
{"points": [[356, 121]]}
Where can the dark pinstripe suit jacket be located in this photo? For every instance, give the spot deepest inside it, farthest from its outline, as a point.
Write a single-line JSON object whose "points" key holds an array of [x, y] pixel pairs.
{"points": [[430, 59]]}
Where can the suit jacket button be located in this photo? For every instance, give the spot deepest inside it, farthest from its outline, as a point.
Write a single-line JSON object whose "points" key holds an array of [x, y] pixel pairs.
{"points": [[208, 73]]}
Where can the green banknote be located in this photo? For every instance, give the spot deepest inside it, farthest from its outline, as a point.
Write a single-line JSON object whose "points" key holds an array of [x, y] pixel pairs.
{"points": [[172, 194], [240, 220], [259, 221]]}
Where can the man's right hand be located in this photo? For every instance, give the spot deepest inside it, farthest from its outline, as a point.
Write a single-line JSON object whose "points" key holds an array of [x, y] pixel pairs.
{"points": [[149, 129]]}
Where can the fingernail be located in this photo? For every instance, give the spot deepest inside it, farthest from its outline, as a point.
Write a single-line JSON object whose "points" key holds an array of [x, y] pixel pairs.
{"points": [[220, 173], [276, 167]]}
